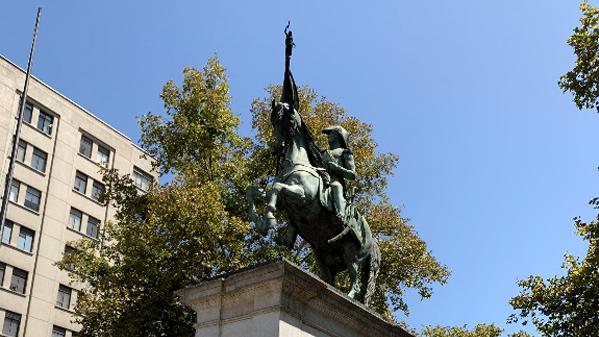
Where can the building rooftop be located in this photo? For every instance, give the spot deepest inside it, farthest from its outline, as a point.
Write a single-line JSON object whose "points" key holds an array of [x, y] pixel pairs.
{"points": [[4, 58]]}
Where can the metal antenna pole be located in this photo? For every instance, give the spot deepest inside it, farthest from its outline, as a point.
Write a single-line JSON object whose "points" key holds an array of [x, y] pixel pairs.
{"points": [[15, 141]]}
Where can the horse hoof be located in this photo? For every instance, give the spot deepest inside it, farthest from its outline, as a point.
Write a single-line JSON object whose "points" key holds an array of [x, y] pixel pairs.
{"points": [[353, 294]]}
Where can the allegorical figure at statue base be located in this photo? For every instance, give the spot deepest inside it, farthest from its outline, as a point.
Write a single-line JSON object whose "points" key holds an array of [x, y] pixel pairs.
{"points": [[311, 186]]}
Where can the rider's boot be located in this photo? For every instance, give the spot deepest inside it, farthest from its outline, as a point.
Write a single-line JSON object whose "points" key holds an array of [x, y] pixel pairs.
{"points": [[339, 205], [270, 216]]}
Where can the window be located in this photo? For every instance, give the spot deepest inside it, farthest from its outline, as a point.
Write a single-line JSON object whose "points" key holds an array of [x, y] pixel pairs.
{"points": [[80, 182], [92, 227], [2, 271], [11, 324], [85, 146], [28, 112], [64, 297], [21, 149], [7, 231], [141, 179], [75, 219], [38, 160], [32, 198], [44, 123], [103, 156], [18, 281], [97, 189], [25, 241], [14, 191], [58, 331]]}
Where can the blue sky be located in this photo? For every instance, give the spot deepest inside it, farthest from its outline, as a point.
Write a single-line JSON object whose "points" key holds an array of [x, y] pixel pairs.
{"points": [[494, 159]]}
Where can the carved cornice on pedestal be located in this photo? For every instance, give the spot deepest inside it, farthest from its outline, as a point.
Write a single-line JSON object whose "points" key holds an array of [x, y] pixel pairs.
{"points": [[283, 292]]}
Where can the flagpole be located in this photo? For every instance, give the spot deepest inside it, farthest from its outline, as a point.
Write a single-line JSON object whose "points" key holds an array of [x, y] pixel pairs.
{"points": [[16, 136]]}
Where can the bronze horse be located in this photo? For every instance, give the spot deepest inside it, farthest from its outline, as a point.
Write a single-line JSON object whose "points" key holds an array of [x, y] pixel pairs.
{"points": [[300, 190]]}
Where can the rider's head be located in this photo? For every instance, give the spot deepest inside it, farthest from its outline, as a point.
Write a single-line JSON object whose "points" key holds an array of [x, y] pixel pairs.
{"points": [[337, 136]]}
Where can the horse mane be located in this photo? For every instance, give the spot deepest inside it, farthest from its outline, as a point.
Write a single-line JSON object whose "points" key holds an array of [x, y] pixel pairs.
{"points": [[312, 149], [290, 96], [281, 118]]}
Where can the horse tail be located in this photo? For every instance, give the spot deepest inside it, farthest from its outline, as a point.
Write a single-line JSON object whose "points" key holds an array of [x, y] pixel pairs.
{"points": [[372, 270]]}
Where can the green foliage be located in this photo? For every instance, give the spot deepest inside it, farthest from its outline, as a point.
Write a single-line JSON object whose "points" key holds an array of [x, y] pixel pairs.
{"points": [[195, 227], [583, 80], [159, 243], [569, 305], [520, 334], [200, 139], [177, 234], [406, 260], [566, 305], [480, 330]]}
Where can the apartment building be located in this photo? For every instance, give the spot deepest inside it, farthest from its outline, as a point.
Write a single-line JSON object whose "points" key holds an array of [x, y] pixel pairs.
{"points": [[53, 200]]}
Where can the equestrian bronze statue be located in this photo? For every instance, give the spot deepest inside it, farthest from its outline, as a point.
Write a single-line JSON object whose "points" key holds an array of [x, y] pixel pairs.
{"points": [[311, 186]]}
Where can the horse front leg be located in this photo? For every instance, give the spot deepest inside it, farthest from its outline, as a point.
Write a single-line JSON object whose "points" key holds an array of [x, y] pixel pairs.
{"points": [[324, 272], [286, 236], [293, 193], [253, 193], [271, 206]]}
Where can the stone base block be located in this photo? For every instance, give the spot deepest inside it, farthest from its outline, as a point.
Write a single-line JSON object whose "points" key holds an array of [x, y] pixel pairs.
{"points": [[280, 299]]}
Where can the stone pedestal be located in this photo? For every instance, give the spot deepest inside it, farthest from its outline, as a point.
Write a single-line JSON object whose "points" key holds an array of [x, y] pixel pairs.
{"points": [[280, 299]]}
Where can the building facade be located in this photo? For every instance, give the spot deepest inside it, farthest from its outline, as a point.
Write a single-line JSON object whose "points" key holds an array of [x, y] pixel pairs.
{"points": [[53, 200]]}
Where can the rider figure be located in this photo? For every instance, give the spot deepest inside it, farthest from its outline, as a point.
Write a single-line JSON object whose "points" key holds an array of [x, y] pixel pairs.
{"points": [[339, 161]]}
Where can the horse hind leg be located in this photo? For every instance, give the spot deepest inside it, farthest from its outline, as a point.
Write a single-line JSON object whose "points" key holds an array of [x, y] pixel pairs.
{"points": [[353, 270], [369, 274], [354, 264]]}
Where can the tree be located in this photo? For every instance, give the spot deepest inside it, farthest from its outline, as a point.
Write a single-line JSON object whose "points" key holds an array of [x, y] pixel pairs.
{"points": [[520, 334], [406, 260], [565, 305], [480, 330], [583, 80], [195, 226], [176, 234], [569, 305]]}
